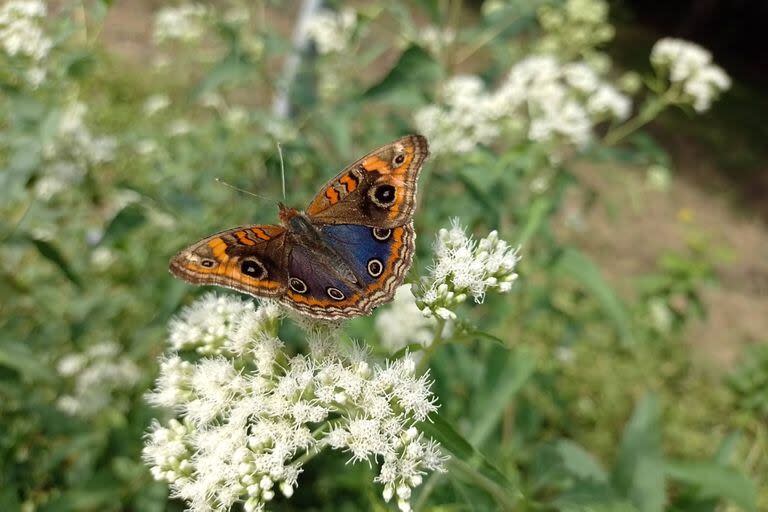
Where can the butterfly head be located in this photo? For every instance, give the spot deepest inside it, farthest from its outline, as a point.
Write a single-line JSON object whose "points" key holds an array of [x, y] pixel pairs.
{"points": [[287, 213]]}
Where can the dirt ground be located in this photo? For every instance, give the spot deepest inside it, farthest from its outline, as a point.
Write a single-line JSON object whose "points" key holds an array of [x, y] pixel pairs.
{"points": [[633, 224]]}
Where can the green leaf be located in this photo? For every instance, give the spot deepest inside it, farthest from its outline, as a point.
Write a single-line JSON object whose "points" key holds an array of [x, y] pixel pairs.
{"points": [[579, 267], [639, 470], [441, 431], [579, 462], [48, 251], [414, 70], [231, 70], [126, 220], [714, 480], [19, 357], [518, 369], [536, 215]]}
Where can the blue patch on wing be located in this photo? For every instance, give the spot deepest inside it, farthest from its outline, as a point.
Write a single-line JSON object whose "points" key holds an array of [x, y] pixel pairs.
{"points": [[357, 245]]}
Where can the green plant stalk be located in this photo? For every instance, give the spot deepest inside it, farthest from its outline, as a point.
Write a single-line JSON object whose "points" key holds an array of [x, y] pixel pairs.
{"points": [[648, 114], [430, 350], [471, 473], [311, 453]]}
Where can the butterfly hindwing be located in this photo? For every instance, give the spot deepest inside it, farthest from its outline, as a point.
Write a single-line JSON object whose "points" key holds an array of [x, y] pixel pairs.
{"points": [[249, 259], [379, 190], [375, 262]]}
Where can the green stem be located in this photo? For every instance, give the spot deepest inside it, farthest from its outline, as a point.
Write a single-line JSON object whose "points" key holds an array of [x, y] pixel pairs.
{"points": [[428, 352], [458, 466], [648, 114], [312, 452]]}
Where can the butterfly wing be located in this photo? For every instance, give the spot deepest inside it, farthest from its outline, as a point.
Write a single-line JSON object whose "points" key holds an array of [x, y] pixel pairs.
{"points": [[379, 190], [249, 259], [372, 263]]}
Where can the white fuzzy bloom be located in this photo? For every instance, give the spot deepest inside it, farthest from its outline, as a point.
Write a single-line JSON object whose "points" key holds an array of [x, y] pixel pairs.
{"points": [[183, 23], [100, 377], [464, 268], [608, 100], [581, 77], [539, 96], [332, 31], [156, 103], [401, 322], [71, 150], [206, 325], [247, 415], [691, 66], [467, 118], [21, 33], [436, 39], [179, 127]]}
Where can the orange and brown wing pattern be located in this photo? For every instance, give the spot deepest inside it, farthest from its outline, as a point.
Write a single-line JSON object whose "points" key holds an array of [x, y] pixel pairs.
{"points": [[248, 259], [379, 190]]}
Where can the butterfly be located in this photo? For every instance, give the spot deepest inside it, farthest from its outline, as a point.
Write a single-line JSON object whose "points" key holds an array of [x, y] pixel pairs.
{"points": [[342, 257]]}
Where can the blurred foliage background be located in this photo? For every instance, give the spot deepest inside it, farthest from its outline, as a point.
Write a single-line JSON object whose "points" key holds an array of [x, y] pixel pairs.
{"points": [[630, 371]]}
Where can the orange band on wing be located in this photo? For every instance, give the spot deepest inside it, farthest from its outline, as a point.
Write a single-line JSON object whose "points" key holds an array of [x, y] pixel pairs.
{"points": [[349, 181], [219, 249], [242, 237], [261, 233], [375, 163], [332, 194]]}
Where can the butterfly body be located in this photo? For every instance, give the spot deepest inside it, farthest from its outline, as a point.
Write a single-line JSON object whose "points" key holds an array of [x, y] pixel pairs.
{"points": [[342, 257]]}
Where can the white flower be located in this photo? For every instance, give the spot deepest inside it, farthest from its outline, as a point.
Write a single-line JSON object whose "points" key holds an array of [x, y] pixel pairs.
{"points": [[36, 76], [464, 268], [155, 104], [581, 77], [100, 378], [467, 119], [71, 150], [21, 32], [146, 146], [691, 66], [332, 32], [183, 23], [608, 100], [179, 127], [436, 39], [540, 96], [206, 325], [401, 322], [247, 416]]}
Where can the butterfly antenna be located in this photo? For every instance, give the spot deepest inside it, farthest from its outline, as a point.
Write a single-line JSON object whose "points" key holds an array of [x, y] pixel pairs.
{"points": [[282, 167], [222, 182]]}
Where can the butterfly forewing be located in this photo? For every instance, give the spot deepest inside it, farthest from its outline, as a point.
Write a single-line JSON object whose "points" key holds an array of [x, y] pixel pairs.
{"points": [[379, 190], [249, 259]]}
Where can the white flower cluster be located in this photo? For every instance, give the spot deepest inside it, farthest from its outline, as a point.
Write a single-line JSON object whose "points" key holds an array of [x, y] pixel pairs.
{"points": [[401, 322], [467, 117], [207, 325], [575, 27], [250, 417], [690, 66], [21, 34], [332, 32], [436, 39], [547, 100], [71, 150], [183, 23], [464, 268], [99, 374]]}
